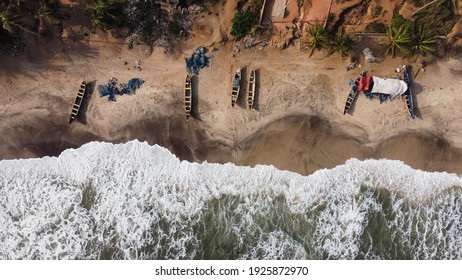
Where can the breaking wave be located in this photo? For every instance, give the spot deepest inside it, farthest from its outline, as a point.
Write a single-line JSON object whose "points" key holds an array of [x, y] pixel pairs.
{"points": [[135, 201]]}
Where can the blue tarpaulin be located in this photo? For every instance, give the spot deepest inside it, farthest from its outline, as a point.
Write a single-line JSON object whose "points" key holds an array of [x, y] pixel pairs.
{"points": [[113, 87], [197, 61]]}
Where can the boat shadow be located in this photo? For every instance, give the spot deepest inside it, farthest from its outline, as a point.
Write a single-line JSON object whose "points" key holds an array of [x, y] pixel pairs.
{"points": [[242, 96], [195, 98], [256, 94], [416, 89], [89, 89]]}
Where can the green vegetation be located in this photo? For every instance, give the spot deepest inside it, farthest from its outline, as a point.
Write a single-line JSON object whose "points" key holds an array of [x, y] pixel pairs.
{"points": [[12, 15], [146, 20], [243, 23], [398, 21], [152, 25], [256, 6], [440, 17], [341, 43], [409, 37], [9, 17], [106, 14], [398, 38], [176, 16], [423, 41], [175, 28], [318, 38], [49, 11], [420, 37], [149, 22]]}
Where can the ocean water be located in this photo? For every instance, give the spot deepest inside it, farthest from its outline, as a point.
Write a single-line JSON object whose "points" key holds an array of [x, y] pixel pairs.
{"points": [[135, 201]]}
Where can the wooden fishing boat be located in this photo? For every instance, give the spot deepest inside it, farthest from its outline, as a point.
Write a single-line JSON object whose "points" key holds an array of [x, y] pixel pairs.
{"points": [[78, 102], [187, 96], [251, 97], [351, 96], [407, 96], [236, 87]]}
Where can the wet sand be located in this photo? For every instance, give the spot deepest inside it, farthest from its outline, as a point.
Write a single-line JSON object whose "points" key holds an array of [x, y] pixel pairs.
{"points": [[298, 143]]}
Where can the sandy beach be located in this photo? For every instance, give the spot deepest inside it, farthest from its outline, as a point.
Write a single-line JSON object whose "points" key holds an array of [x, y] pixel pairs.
{"points": [[298, 125]]}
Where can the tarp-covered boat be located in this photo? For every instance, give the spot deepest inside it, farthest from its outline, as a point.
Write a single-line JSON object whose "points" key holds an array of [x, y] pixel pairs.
{"points": [[391, 87], [373, 86]]}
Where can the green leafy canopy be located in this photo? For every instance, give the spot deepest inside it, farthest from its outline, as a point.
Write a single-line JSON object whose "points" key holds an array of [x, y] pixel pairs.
{"points": [[243, 23]]}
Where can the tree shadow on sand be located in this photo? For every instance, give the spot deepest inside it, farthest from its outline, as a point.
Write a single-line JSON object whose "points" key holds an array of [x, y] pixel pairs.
{"points": [[89, 90]]}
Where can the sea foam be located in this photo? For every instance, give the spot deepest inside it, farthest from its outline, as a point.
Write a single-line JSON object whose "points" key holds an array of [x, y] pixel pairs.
{"points": [[135, 201]]}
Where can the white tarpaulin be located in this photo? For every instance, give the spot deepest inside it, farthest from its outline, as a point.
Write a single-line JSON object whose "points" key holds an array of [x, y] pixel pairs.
{"points": [[368, 54], [393, 87]]}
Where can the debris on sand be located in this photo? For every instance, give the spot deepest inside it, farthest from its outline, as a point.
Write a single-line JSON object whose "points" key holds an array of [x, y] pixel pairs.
{"points": [[113, 87], [197, 61]]}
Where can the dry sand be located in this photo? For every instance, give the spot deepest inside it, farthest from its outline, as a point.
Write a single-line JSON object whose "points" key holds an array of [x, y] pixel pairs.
{"points": [[298, 125]]}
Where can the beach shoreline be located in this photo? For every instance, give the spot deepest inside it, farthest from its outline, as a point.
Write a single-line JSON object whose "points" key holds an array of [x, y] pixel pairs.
{"points": [[298, 125]]}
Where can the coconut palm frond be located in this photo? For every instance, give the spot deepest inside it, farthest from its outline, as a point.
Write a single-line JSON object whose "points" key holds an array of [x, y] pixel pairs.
{"points": [[318, 38], [9, 16], [106, 14], [341, 43], [49, 10], [398, 38], [423, 41]]}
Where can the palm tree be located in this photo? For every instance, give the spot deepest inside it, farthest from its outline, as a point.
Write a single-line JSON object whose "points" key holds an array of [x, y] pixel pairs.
{"points": [[398, 38], [8, 17], [422, 42], [106, 14], [47, 13], [318, 38], [341, 43]]}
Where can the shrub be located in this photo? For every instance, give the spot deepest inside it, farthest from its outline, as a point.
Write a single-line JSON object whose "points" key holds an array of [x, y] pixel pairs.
{"points": [[440, 18], [174, 28], [423, 41], [341, 43], [318, 38], [106, 14], [242, 23], [398, 38]]}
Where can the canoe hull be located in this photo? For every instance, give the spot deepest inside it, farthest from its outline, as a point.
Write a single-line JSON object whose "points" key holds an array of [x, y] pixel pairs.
{"points": [[351, 96], [78, 102], [251, 96], [236, 87], [187, 96], [407, 96]]}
